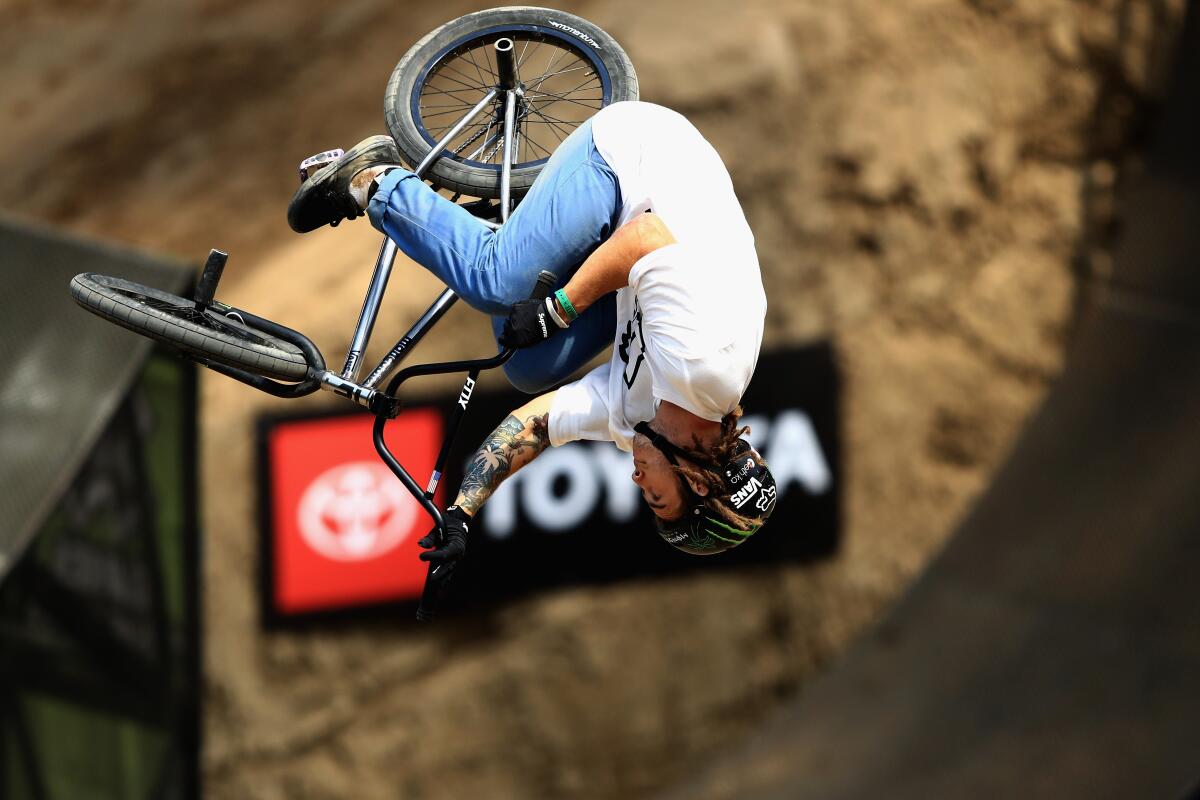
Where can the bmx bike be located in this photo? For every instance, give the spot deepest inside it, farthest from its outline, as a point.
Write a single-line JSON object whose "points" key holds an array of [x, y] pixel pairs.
{"points": [[478, 106]]}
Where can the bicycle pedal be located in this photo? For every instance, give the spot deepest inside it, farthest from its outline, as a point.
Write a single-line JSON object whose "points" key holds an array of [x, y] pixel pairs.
{"points": [[313, 164]]}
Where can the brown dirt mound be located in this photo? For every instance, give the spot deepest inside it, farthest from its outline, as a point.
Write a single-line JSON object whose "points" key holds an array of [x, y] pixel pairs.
{"points": [[928, 182]]}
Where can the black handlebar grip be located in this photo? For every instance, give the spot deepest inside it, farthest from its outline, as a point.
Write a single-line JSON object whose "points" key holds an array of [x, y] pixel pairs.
{"points": [[427, 609], [544, 286], [437, 581], [206, 288]]}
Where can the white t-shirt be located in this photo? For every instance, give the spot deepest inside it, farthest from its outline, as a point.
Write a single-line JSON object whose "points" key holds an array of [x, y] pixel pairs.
{"points": [[690, 322]]}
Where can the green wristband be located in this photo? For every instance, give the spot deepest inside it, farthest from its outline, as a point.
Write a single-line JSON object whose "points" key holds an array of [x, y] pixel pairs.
{"points": [[561, 297]]}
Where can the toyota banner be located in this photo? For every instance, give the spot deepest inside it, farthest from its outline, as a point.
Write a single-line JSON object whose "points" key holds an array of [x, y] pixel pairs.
{"points": [[339, 531]]}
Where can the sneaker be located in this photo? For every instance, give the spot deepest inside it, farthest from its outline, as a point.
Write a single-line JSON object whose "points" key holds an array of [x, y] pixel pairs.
{"points": [[324, 199]]}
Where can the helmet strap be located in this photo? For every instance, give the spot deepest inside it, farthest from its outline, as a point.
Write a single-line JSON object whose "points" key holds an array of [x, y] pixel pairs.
{"points": [[669, 449]]}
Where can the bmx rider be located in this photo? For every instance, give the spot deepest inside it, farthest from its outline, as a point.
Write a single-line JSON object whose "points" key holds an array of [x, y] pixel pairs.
{"points": [[636, 215]]}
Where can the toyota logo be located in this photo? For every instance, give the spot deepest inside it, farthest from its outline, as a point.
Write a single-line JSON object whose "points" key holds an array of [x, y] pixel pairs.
{"points": [[355, 511]]}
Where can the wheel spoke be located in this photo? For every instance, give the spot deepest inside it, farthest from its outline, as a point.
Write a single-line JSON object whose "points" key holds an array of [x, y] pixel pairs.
{"points": [[554, 121], [554, 56], [542, 79], [521, 57], [451, 92], [444, 113], [452, 105], [523, 123], [471, 57], [488, 54], [452, 79], [465, 76], [565, 99], [575, 102], [573, 89], [534, 143], [549, 73], [539, 111], [582, 101], [436, 132], [554, 128]]}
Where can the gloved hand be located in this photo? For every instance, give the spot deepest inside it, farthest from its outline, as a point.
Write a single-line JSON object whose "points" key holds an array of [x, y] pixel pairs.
{"points": [[453, 547], [529, 323]]}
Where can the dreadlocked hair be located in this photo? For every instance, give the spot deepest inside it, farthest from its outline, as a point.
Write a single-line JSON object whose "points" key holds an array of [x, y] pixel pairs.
{"points": [[699, 471]]}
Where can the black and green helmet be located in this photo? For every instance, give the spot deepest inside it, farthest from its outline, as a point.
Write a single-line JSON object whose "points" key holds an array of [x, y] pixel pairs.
{"points": [[749, 492]]}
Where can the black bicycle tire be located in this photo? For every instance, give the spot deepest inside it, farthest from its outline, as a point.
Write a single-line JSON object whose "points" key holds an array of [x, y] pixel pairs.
{"points": [[464, 178], [118, 300]]}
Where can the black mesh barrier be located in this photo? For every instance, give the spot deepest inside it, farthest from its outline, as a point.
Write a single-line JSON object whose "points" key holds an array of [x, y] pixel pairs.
{"points": [[99, 634], [99, 618], [65, 370]]}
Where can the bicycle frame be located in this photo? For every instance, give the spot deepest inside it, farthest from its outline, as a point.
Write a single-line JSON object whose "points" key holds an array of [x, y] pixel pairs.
{"points": [[367, 393]]}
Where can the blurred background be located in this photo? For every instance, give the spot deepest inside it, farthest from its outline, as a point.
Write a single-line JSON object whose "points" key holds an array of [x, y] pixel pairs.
{"points": [[933, 186]]}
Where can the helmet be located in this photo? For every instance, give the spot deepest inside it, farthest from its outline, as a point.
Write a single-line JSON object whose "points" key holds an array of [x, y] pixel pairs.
{"points": [[749, 492]]}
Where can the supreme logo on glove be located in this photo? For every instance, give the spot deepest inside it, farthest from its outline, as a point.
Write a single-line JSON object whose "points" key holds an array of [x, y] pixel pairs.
{"points": [[528, 324]]}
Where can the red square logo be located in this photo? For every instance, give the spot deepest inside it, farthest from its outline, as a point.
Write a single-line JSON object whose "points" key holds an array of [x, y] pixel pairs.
{"points": [[344, 530]]}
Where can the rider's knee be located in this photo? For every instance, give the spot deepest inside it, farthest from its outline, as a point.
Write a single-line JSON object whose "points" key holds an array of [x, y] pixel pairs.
{"points": [[528, 378], [502, 297]]}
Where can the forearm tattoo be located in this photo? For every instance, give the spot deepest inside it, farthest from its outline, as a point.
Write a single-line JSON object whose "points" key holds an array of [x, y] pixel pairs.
{"points": [[512, 445]]}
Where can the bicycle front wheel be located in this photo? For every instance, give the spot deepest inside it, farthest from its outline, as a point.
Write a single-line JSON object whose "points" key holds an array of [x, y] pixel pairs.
{"points": [[567, 70], [175, 321]]}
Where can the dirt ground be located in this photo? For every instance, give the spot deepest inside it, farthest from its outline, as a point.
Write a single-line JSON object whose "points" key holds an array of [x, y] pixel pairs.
{"points": [[930, 186]]}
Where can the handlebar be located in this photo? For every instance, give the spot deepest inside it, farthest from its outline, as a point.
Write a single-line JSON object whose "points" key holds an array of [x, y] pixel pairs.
{"points": [[437, 578]]}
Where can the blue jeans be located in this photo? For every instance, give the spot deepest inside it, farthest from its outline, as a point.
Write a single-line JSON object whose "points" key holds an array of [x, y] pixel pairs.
{"points": [[571, 208]]}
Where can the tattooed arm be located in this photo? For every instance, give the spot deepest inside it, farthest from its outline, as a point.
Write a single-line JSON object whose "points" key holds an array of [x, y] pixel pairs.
{"points": [[518, 439]]}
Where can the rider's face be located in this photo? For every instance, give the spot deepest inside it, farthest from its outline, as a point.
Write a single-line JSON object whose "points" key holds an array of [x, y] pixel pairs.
{"points": [[659, 484]]}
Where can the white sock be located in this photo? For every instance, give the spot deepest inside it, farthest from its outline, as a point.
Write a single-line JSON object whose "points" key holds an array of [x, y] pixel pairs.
{"points": [[363, 181]]}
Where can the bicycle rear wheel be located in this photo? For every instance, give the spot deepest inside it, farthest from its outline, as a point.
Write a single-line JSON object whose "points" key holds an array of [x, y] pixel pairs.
{"points": [[567, 70], [175, 321]]}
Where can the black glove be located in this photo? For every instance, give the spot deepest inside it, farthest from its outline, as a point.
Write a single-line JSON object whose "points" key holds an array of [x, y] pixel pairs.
{"points": [[528, 323], [453, 547]]}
